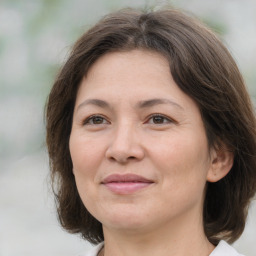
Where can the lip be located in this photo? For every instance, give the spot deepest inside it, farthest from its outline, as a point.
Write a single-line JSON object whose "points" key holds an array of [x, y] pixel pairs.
{"points": [[126, 183]]}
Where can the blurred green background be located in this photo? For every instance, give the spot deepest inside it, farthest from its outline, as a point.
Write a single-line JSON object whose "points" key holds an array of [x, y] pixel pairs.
{"points": [[35, 39]]}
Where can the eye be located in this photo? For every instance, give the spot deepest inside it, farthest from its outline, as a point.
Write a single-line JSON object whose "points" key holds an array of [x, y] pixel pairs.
{"points": [[95, 120], [159, 119]]}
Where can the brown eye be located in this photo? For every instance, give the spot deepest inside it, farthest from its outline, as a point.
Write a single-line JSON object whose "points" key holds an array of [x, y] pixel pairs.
{"points": [[159, 119], [95, 120]]}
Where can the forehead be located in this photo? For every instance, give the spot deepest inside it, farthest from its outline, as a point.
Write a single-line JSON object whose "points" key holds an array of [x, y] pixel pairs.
{"points": [[131, 76], [141, 63], [127, 70]]}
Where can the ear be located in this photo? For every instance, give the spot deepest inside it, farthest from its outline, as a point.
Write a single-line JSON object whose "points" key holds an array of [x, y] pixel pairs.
{"points": [[221, 163]]}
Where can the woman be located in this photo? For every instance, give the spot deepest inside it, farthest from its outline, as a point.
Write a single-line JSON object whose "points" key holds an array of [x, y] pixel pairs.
{"points": [[151, 138]]}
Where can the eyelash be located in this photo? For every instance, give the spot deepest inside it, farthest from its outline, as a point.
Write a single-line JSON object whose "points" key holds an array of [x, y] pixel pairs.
{"points": [[104, 120], [169, 120], [91, 118]]}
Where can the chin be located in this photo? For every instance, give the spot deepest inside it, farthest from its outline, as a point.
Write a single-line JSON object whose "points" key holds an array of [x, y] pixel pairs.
{"points": [[127, 225], [128, 219]]}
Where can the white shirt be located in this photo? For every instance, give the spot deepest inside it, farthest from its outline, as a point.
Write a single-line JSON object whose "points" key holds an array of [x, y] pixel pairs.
{"points": [[222, 249]]}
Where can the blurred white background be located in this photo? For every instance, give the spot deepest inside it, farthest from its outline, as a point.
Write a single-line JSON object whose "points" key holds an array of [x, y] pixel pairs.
{"points": [[35, 38]]}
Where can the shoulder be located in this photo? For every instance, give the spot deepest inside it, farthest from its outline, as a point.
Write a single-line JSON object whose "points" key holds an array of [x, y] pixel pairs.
{"points": [[93, 252], [224, 249]]}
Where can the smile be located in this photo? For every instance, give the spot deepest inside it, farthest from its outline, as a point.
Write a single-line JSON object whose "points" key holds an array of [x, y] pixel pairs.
{"points": [[126, 184]]}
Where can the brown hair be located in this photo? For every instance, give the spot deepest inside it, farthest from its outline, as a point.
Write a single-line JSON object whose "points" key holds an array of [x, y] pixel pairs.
{"points": [[203, 68]]}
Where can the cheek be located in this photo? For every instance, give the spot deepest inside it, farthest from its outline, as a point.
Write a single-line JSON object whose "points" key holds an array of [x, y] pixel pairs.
{"points": [[85, 154], [184, 158], [86, 160], [184, 167]]}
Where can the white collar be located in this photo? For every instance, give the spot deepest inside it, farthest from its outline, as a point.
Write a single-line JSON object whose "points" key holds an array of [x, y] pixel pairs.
{"points": [[222, 249]]}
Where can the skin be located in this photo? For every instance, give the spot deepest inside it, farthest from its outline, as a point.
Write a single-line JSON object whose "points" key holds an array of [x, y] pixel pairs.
{"points": [[120, 136]]}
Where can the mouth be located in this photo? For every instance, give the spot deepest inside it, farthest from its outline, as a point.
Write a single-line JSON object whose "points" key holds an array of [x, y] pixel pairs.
{"points": [[126, 184]]}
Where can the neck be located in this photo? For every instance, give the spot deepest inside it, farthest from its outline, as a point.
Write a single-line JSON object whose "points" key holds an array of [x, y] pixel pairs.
{"points": [[187, 239]]}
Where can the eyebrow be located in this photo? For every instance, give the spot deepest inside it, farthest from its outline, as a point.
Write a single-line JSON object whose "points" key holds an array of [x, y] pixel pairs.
{"points": [[96, 102], [141, 104], [157, 101]]}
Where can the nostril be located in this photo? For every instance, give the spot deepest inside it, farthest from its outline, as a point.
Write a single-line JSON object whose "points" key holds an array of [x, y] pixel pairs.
{"points": [[122, 159], [112, 158], [124, 152]]}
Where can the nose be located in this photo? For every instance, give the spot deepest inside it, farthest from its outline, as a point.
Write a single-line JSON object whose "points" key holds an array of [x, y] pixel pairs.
{"points": [[125, 145]]}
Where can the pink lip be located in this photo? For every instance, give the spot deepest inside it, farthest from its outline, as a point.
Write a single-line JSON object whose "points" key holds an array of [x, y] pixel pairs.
{"points": [[126, 184]]}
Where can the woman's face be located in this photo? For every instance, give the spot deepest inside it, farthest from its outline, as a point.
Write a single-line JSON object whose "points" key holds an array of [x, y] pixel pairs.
{"points": [[138, 144]]}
